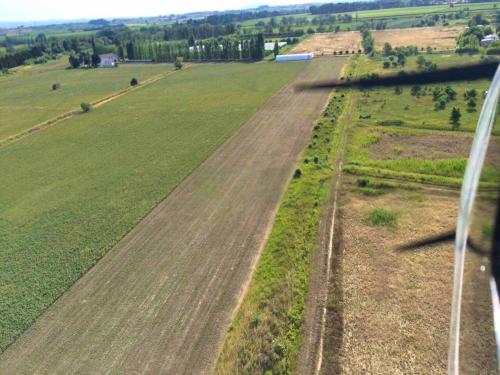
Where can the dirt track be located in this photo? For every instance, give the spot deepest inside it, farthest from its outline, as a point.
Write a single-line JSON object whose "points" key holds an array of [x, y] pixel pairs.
{"points": [[162, 299]]}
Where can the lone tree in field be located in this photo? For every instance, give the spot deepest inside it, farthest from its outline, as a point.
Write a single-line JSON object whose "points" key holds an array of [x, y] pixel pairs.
{"points": [[178, 63], [387, 49], [421, 61], [85, 107], [133, 82], [471, 105], [455, 118]]}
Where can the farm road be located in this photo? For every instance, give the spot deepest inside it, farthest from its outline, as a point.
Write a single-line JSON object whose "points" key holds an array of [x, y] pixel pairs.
{"points": [[162, 299]]}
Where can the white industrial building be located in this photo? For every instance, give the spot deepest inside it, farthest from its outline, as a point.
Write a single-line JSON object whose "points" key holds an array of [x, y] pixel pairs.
{"points": [[108, 60], [295, 57]]}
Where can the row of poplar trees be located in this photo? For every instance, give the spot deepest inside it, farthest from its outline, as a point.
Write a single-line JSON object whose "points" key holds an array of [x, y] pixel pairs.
{"points": [[203, 50]]}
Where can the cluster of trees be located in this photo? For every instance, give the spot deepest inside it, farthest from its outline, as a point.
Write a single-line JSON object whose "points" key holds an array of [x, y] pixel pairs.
{"points": [[17, 58], [203, 50], [85, 50], [85, 58], [469, 41], [425, 65], [397, 56], [441, 96]]}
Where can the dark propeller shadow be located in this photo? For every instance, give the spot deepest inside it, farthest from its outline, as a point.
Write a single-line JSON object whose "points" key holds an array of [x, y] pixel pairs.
{"points": [[459, 73]]}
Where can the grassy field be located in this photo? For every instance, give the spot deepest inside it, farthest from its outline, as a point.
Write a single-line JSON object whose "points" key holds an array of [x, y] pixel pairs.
{"points": [[70, 192], [392, 129], [27, 98]]}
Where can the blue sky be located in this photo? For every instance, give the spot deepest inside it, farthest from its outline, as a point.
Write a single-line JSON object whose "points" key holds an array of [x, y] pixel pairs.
{"points": [[38, 10]]}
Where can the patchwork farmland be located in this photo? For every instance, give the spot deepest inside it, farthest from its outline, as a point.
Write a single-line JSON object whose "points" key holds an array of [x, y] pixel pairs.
{"points": [[196, 248]]}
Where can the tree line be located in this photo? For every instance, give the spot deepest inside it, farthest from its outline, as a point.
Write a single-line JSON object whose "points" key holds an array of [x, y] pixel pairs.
{"points": [[202, 50]]}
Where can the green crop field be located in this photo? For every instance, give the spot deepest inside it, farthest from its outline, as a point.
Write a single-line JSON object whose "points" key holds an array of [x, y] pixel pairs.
{"points": [[26, 97], [70, 192]]}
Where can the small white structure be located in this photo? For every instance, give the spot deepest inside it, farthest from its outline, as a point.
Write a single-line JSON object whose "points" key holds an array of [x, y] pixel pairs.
{"points": [[295, 57], [269, 46], [488, 39], [108, 60]]}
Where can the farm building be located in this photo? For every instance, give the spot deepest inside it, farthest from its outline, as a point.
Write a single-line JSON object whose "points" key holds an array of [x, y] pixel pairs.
{"points": [[108, 60], [488, 39], [295, 57]]}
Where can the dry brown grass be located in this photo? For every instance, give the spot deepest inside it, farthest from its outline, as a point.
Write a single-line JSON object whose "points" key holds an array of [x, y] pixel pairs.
{"points": [[393, 314], [435, 146], [437, 37], [395, 306], [328, 43]]}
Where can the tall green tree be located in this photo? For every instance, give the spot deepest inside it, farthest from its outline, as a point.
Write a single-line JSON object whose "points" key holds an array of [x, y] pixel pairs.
{"points": [[455, 118], [276, 49]]}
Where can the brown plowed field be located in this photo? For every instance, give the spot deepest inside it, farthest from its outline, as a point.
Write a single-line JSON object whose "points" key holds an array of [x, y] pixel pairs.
{"points": [[162, 299], [437, 37]]}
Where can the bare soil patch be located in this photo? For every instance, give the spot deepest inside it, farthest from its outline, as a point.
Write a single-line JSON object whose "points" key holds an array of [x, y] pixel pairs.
{"points": [[438, 37], [161, 300], [429, 147]]}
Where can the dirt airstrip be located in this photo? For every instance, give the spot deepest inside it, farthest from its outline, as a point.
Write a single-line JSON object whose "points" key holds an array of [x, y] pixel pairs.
{"points": [[162, 299]]}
